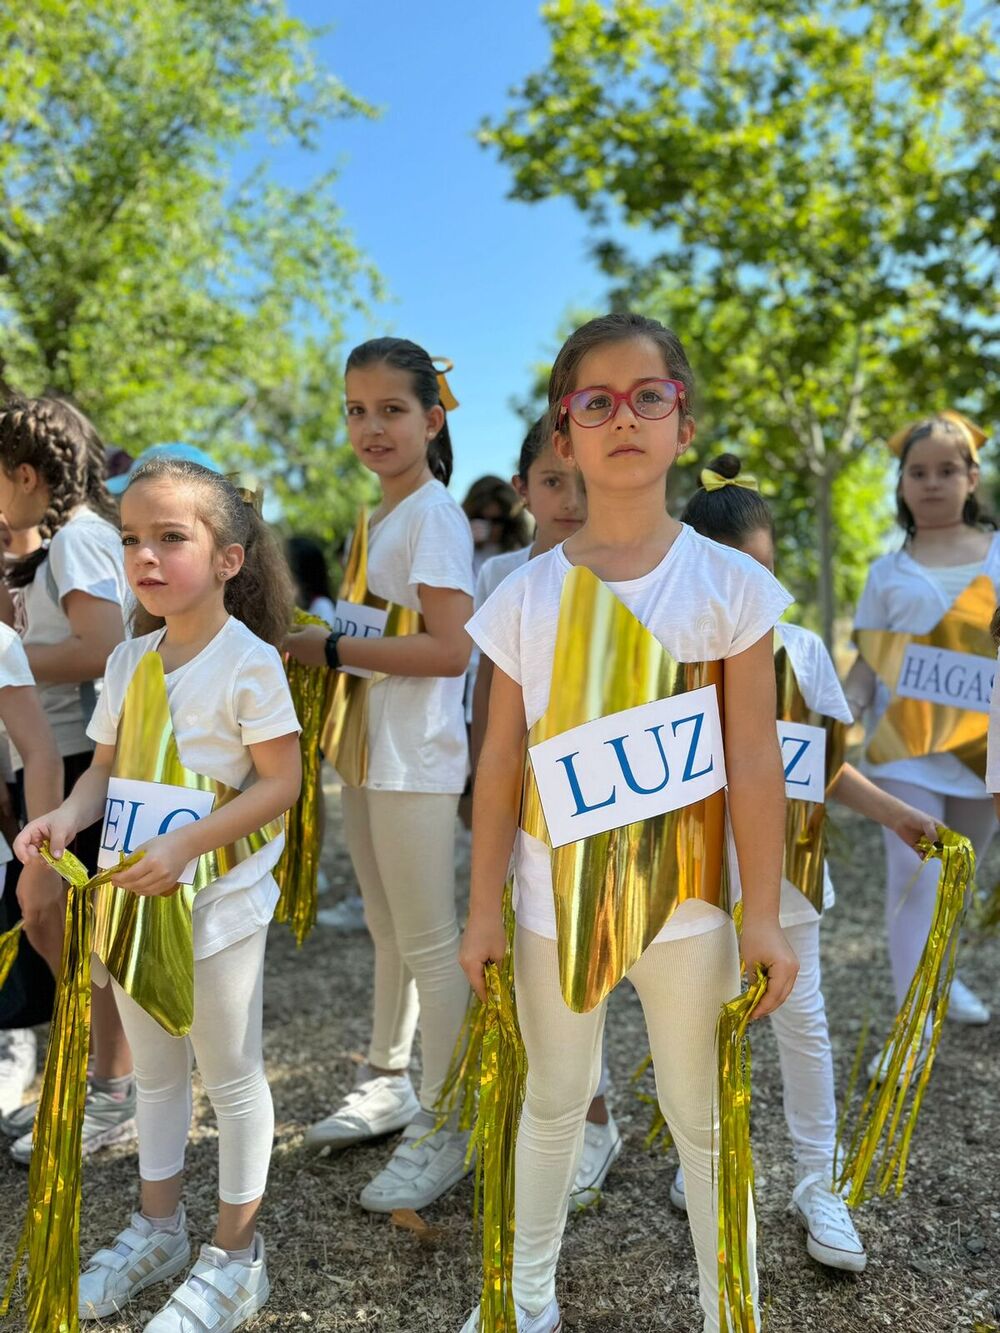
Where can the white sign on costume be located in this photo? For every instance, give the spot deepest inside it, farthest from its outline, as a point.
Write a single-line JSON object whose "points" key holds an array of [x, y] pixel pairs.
{"points": [[630, 766], [359, 622], [135, 812], [803, 757], [939, 676]]}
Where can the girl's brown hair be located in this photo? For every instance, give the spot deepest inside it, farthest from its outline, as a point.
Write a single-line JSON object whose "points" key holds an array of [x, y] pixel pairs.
{"points": [[54, 437], [261, 594]]}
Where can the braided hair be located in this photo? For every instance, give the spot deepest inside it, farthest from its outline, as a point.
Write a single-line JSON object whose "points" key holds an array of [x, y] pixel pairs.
{"points": [[53, 436]]}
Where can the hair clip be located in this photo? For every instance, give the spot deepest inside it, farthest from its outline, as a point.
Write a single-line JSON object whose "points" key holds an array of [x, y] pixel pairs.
{"points": [[249, 489]]}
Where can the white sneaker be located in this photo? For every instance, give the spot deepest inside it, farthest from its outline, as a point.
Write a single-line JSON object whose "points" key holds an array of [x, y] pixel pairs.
{"points": [[964, 1006], [136, 1258], [601, 1146], [107, 1120], [18, 1066], [381, 1104], [831, 1235], [678, 1196], [549, 1321], [420, 1170], [347, 916], [218, 1295], [20, 1120], [877, 1068]]}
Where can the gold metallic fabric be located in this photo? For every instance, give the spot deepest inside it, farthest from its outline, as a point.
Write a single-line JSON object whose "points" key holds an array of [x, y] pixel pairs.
{"points": [[805, 821], [913, 727], [10, 942], [614, 892], [885, 1123], [345, 731], [147, 943]]}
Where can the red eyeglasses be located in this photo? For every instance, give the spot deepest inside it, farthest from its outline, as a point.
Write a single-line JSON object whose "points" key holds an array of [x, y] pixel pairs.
{"points": [[653, 400]]}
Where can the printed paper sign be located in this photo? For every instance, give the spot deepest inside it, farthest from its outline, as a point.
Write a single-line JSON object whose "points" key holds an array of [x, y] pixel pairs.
{"points": [[939, 676], [360, 622], [803, 755], [630, 766], [138, 811]]}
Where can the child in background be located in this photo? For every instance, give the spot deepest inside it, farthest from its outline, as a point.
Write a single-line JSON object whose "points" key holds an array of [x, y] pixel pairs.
{"points": [[311, 577], [497, 519]]}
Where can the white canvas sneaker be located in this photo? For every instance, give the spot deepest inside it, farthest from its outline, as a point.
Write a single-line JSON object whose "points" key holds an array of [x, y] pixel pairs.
{"points": [[549, 1321], [832, 1238], [18, 1067], [678, 1195], [965, 1006], [425, 1165], [381, 1104], [138, 1257], [218, 1295], [107, 1120], [601, 1146]]}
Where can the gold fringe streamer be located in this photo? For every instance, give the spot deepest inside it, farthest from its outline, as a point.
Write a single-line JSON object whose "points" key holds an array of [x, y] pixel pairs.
{"points": [[735, 1161], [50, 1236], [658, 1121], [887, 1117], [10, 942], [311, 690]]}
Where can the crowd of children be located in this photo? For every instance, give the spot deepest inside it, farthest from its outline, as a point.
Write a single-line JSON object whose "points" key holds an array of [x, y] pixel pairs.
{"points": [[145, 642]]}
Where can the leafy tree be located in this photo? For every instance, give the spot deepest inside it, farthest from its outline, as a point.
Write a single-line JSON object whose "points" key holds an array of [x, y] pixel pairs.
{"points": [[172, 301], [825, 181]]}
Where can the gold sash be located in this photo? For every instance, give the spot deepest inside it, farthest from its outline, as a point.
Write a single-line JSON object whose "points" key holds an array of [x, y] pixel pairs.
{"points": [[805, 821], [345, 731], [147, 943], [913, 727], [615, 891]]}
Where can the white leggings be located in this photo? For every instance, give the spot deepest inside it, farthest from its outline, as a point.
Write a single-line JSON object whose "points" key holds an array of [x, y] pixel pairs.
{"points": [[402, 845], [225, 1040], [909, 905], [682, 985]]}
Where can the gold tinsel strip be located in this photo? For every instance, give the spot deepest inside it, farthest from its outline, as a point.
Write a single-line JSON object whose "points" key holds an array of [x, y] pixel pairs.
{"points": [[297, 874], [657, 1122], [10, 942], [50, 1236], [888, 1114], [735, 1161]]}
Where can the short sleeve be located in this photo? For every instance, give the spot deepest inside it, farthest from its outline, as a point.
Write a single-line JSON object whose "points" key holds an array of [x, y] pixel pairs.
{"points": [[442, 550], [103, 725], [871, 612], [830, 698], [14, 668], [761, 601], [496, 626], [262, 701], [87, 557]]}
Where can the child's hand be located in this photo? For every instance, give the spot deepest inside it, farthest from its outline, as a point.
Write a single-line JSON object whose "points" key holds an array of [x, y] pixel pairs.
{"points": [[41, 892], [158, 872], [484, 941], [912, 824], [307, 645], [763, 944], [57, 828]]}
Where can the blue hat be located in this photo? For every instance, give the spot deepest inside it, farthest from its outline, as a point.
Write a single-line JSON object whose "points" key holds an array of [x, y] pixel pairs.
{"points": [[190, 452]]}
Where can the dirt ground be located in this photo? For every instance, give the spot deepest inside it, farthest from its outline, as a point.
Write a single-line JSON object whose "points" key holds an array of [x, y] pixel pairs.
{"points": [[934, 1254]]}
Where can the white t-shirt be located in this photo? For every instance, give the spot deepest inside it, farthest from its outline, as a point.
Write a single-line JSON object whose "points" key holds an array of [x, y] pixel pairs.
{"points": [[232, 695], [14, 671], [416, 724], [993, 737], [703, 601], [823, 693], [489, 578], [85, 555], [907, 597], [324, 608]]}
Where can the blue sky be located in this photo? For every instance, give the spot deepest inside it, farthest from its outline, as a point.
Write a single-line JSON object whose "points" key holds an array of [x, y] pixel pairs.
{"points": [[474, 275]]}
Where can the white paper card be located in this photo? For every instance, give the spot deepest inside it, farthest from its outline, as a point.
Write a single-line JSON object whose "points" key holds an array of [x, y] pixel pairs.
{"points": [[359, 622], [939, 676], [138, 811], [630, 766], [803, 755]]}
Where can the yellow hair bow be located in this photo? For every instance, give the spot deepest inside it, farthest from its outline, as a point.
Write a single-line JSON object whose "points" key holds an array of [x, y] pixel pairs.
{"points": [[249, 489], [712, 481], [442, 364], [974, 436]]}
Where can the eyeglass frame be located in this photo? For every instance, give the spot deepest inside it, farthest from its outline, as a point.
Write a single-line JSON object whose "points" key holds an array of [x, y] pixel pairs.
{"points": [[617, 399]]}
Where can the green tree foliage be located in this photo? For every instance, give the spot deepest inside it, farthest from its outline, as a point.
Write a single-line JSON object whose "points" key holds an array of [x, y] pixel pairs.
{"points": [[825, 182], [171, 299]]}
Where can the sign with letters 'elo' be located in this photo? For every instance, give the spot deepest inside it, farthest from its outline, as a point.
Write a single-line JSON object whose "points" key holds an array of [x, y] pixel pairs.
{"points": [[630, 766], [940, 676], [359, 621], [803, 757], [137, 811]]}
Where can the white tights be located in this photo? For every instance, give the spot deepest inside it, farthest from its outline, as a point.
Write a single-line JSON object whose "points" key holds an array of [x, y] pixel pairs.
{"points": [[682, 985], [225, 1040]]}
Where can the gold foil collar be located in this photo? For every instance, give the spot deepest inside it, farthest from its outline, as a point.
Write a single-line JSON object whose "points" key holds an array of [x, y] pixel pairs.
{"points": [[614, 892]]}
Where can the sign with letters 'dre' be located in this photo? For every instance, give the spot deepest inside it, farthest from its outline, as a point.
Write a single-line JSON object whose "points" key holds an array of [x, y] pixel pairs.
{"points": [[803, 757], [940, 676], [360, 622], [630, 766], [137, 811]]}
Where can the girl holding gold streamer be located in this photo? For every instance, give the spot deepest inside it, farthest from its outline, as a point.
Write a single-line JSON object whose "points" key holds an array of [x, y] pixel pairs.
{"points": [[729, 509], [922, 627], [72, 591], [199, 694], [634, 616], [397, 738]]}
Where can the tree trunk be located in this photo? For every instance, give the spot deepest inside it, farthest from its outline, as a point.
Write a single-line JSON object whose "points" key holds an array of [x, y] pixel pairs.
{"points": [[825, 536]]}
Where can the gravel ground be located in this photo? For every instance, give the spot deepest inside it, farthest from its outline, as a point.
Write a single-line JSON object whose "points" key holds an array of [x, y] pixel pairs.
{"points": [[934, 1254]]}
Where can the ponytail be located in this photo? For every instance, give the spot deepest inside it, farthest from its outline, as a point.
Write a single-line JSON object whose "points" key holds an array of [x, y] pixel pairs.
{"points": [[728, 513]]}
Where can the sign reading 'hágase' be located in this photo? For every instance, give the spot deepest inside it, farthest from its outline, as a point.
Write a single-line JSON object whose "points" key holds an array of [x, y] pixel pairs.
{"points": [[940, 676], [136, 811], [630, 766]]}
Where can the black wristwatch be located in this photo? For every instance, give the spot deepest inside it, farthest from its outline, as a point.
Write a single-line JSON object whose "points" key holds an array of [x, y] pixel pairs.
{"points": [[330, 649]]}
